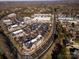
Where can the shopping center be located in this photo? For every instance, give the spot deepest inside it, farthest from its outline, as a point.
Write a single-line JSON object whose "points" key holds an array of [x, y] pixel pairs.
{"points": [[28, 34]]}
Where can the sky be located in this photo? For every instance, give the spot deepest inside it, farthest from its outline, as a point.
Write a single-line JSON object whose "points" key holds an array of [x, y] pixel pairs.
{"points": [[31, 0], [39, 0]]}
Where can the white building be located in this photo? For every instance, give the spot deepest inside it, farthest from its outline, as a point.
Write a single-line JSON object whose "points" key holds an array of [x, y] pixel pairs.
{"points": [[36, 39], [41, 15], [18, 33], [13, 27], [65, 18], [7, 22], [27, 20], [42, 18], [11, 15], [22, 24], [68, 19]]}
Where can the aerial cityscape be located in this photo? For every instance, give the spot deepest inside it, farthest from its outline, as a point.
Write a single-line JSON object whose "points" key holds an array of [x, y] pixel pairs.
{"points": [[39, 29]]}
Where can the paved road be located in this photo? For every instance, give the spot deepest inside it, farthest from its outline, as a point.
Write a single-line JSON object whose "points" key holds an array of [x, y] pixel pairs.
{"points": [[48, 54]]}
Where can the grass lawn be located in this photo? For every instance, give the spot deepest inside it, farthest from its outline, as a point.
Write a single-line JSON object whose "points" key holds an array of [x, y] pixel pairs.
{"points": [[63, 54]]}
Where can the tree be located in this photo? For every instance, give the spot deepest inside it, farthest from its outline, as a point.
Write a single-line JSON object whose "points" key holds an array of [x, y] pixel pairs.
{"points": [[73, 25]]}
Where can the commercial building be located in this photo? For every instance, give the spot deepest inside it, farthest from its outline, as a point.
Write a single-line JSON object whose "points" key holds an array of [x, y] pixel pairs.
{"points": [[29, 33]]}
